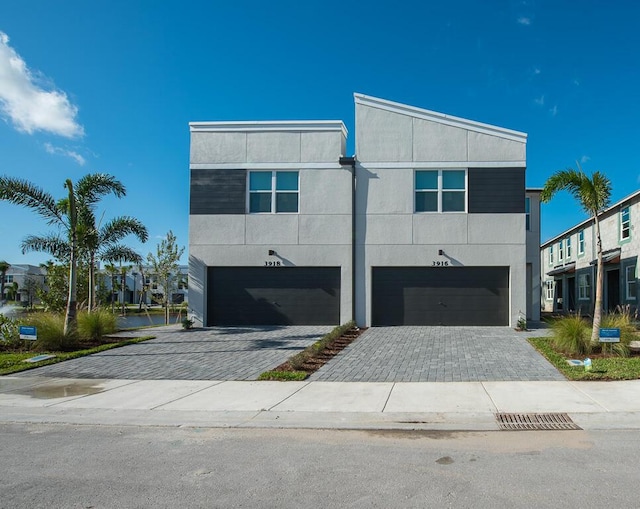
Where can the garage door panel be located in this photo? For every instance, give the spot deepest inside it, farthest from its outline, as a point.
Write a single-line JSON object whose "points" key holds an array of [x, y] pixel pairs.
{"points": [[273, 296], [440, 296]]}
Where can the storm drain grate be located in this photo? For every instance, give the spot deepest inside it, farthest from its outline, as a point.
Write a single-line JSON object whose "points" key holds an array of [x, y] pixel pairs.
{"points": [[516, 422]]}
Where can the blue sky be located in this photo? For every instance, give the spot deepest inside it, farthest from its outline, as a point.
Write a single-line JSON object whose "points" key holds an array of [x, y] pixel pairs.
{"points": [[111, 86]]}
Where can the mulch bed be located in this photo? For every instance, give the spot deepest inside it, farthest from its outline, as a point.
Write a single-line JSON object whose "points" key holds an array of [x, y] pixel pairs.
{"points": [[315, 362]]}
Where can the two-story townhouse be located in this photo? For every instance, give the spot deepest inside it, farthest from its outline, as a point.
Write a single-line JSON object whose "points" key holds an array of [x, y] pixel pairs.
{"points": [[22, 281], [569, 260], [270, 223], [143, 284], [425, 225], [440, 218]]}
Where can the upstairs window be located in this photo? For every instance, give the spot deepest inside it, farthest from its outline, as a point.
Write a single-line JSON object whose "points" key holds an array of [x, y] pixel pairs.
{"points": [[568, 247], [441, 191], [551, 255], [625, 224], [527, 213], [273, 192], [561, 250], [581, 242]]}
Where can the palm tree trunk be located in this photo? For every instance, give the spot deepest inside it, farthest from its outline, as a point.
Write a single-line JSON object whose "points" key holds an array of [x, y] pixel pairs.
{"points": [[597, 310], [70, 315], [92, 289]]}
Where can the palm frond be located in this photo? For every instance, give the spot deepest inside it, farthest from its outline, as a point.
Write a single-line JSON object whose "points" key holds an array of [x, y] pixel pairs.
{"points": [[120, 227], [52, 244], [24, 193], [92, 187], [118, 253]]}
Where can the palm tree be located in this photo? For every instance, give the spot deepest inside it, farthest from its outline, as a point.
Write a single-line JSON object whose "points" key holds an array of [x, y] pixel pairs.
{"points": [[103, 243], [594, 195], [72, 215], [4, 267]]}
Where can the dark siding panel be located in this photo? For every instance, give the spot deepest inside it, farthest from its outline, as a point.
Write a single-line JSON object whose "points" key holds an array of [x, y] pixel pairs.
{"points": [[440, 296], [273, 296], [496, 190], [218, 192]]}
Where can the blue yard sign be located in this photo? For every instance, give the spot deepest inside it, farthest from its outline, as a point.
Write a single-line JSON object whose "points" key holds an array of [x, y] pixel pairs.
{"points": [[28, 332], [609, 335]]}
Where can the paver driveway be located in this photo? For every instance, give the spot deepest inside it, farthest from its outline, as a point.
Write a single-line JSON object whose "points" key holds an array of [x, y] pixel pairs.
{"points": [[216, 353], [439, 354]]}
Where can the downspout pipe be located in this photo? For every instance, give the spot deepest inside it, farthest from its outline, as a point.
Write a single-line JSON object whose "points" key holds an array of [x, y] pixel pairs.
{"points": [[351, 161]]}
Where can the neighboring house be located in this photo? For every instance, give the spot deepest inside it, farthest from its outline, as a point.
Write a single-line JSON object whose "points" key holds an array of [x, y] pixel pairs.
{"points": [[21, 282], [426, 225], [149, 289], [569, 262]]}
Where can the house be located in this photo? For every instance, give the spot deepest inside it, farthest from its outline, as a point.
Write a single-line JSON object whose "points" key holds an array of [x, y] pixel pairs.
{"points": [[143, 285], [21, 282], [426, 225], [569, 262]]}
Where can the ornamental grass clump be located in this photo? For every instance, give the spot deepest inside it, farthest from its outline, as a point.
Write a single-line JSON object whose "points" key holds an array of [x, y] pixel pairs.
{"points": [[572, 335], [624, 321], [97, 324], [51, 333]]}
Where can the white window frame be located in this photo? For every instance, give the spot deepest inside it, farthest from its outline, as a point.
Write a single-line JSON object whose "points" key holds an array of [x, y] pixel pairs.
{"points": [[549, 288], [581, 242], [630, 281], [561, 251], [551, 255], [584, 287], [440, 192], [568, 248], [527, 213], [274, 191], [625, 226]]}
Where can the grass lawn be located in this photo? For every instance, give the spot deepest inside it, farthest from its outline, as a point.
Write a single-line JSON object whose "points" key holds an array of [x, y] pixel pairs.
{"points": [[11, 362], [603, 368]]}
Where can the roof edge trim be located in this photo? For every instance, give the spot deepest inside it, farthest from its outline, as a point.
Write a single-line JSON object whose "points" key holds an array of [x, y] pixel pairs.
{"points": [[267, 126], [441, 118]]}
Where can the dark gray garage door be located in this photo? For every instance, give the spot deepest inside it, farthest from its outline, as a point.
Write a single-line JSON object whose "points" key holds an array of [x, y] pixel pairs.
{"points": [[440, 296], [273, 296]]}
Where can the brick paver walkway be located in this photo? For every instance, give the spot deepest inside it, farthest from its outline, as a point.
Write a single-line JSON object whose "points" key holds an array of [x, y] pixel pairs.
{"points": [[218, 353], [439, 354]]}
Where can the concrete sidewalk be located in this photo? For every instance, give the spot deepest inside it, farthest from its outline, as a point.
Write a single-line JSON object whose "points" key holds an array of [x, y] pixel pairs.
{"points": [[468, 406]]}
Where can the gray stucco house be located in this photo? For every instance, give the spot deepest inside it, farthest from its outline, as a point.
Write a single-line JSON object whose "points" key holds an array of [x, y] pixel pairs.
{"points": [[568, 262], [429, 223]]}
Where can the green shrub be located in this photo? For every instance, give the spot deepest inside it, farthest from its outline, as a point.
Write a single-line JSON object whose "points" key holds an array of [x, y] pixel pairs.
{"points": [[10, 336], [50, 330], [95, 325], [572, 335]]}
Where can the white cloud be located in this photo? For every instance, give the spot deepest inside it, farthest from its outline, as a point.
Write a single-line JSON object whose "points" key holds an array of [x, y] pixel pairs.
{"points": [[523, 20], [536, 71], [584, 159], [64, 152], [539, 100], [30, 107]]}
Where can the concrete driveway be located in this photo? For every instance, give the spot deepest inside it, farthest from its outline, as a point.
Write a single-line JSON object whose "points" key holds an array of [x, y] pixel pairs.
{"points": [[440, 354], [216, 353]]}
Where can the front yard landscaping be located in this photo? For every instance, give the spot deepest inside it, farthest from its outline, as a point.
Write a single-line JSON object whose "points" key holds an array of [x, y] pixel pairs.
{"points": [[603, 367], [312, 358]]}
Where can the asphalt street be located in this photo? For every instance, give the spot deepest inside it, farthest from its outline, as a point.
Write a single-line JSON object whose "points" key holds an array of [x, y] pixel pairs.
{"points": [[65, 466]]}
